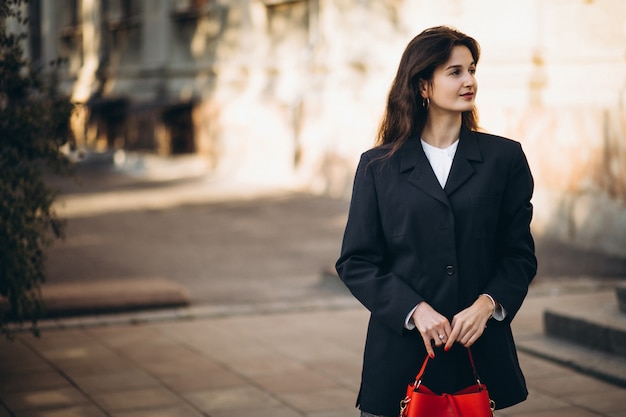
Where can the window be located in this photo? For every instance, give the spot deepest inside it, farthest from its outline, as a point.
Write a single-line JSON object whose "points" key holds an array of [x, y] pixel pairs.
{"points": [[34, 31], [70, 19]]}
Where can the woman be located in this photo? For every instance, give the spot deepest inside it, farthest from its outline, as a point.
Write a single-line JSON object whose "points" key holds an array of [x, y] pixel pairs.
{"points": [[438, 244]]}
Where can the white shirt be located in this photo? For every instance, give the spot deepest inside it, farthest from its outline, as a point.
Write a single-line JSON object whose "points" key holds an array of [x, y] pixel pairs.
{"points": [[441, 163], [440, 160]]}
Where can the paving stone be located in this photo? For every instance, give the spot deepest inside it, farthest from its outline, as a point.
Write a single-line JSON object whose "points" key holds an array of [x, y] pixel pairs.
{"points": [[42, 399], [16, 352], [343, 412], [537, 402], [81, 359], [119, 336], [346, 373], [189, 362], [236, 398], [570, 384], [69, 354], [302, 380], [189, 381], [183, 410], [260, 412], [116, 381], [31, 381], [59, 339], [235, 351], [316, 351], [270, 363], [558, 412], [94, 366], [172, 362], [608, 401], [136, 399], [319, 400], [535, 368], [80, 411]]}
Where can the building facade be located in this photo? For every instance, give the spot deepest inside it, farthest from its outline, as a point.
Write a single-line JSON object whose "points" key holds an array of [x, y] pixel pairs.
{"points": [[291, 91]]}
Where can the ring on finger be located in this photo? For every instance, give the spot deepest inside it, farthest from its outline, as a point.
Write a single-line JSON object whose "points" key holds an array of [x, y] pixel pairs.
{"points": [[442, 336]]}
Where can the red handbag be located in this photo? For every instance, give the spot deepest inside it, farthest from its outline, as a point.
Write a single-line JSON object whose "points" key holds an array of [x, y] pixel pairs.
{"points": [[472, 401]]}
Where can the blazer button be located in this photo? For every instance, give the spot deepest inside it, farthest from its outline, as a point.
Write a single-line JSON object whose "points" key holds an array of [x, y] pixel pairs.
{"points": [[450, 270]]}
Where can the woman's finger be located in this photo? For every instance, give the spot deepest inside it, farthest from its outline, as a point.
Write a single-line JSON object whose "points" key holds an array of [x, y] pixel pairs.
{"points": [[428, 344], [438, 338], [454, 335]]}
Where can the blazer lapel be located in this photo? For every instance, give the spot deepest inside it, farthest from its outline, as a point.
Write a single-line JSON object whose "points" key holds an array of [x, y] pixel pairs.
{"points": [[462, 168], [413, 157]]}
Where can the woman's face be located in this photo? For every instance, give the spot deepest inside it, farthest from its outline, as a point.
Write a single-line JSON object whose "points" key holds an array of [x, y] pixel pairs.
{"points": [[453, 87]]}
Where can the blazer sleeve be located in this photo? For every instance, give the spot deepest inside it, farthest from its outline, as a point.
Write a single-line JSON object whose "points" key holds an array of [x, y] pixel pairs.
{"points": [[361, 265], [516, 263]]}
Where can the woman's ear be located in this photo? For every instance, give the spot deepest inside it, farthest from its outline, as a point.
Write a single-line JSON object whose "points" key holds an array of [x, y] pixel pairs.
{"points": [[423, 88]]}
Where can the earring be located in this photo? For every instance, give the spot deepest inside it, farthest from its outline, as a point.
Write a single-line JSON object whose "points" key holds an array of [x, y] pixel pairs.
{"points": [[426, 103]]}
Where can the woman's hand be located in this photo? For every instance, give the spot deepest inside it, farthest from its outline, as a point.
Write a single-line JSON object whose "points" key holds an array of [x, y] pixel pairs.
{"points": [[469, 324], [431, 325]]}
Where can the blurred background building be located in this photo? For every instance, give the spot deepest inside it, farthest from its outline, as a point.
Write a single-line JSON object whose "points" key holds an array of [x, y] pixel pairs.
{"points": [[291, 91]]}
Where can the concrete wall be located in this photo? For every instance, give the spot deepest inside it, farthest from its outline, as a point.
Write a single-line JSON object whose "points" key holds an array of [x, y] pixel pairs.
{"points": [[292, 91]]}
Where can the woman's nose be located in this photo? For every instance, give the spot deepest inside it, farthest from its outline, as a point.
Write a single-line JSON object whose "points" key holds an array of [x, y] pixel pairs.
{"points": [[469, 79]]}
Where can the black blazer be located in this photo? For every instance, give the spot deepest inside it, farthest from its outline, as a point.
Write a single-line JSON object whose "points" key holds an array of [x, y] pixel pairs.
{"points": [[408, 240]]}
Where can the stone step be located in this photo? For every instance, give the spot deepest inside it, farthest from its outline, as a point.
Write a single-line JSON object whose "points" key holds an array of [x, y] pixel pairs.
{"points": [[620, 291], [595, 363], [569, 333], [111, 296], [592, 320]]}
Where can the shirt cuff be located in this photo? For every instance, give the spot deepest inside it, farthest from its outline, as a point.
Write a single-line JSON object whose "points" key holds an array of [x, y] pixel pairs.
{"points": [[408, 322], [499, 313]]}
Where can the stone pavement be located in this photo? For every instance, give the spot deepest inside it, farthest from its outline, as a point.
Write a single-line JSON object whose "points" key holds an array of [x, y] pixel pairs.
{"points": [[281, 361], [295, 351]]}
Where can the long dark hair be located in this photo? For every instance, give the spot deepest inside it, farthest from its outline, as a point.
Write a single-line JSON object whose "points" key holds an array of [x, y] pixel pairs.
{"points": [[405, 115]]}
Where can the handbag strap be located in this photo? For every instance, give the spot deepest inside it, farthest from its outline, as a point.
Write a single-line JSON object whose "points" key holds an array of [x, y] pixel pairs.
{"points": [[418, 377], [471, 358]]}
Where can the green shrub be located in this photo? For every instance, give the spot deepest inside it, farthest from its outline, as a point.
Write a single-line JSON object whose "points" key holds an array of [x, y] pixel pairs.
{"points": [[33, 126]]}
